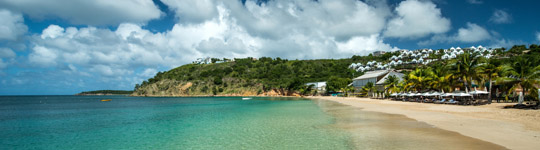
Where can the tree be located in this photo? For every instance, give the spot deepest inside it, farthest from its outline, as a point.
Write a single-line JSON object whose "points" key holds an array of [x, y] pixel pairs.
{"points": [[218, 80], [465, 66], [420, 78], [347, 89], [391, 84], [492, 70], [335, 84], [524, 73], [442, 77], [368, 89]]}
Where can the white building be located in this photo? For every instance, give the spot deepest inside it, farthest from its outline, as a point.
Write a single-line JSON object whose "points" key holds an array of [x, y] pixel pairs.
{"points": [[375, 77], [319, 86]]}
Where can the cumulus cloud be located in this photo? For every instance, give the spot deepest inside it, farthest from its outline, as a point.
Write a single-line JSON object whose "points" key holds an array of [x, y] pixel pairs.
{"points": [[341, 19], [475, 1], [417, 19], [507, 43], [470, 34], [43, 56], [128, 53], [190, 11], [109, 52], [148, 73], [95, 12], [500, 17], [7, 53], [12, 25]]}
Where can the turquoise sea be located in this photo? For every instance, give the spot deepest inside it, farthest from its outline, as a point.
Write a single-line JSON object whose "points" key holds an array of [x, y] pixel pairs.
{"points": [[84, 122]]}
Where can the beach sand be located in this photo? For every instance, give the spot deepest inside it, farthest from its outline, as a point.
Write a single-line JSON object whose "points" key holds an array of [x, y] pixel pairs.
{"points": [[510, 128]]}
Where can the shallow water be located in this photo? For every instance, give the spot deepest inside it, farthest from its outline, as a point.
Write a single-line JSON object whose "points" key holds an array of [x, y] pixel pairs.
{"points": [[374, 130], [84, 122]]}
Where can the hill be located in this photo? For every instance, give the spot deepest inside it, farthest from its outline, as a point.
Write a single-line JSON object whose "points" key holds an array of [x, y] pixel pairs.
{"points": [[251, 76], [106, 92]]}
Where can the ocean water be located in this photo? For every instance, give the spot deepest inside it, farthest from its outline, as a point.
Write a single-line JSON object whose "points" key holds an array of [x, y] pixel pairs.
{"points": [[84, 122]]}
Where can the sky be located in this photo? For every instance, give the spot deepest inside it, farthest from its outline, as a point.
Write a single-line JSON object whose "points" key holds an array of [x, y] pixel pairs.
{"points": [[59, 47]]}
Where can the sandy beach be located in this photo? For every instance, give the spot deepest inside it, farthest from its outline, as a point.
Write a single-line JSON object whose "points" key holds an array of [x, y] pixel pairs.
{"points": [[510, 128]]}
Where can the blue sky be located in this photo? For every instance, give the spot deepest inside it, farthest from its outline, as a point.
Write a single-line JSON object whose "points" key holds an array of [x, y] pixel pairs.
{"points": [[60, 47]]}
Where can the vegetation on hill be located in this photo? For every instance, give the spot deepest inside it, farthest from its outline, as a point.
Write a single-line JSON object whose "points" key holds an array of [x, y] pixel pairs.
{"points": [[106, 92], [251, 76], [516, 68]]}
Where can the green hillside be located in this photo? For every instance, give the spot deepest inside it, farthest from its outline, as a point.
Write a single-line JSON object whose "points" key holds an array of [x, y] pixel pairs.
{"points": [[249, 76], [106, 92]]}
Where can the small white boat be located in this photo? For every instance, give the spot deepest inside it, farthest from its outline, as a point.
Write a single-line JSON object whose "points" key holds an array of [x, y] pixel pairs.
{"points": [[246, 98]]}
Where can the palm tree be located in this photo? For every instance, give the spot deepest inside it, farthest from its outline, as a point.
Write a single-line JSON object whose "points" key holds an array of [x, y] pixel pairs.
{"points": [[420, 78], [523, 74], [442, 78], [368, 88], [465, 66], [391, 84], [492, 70], [347, 89]]}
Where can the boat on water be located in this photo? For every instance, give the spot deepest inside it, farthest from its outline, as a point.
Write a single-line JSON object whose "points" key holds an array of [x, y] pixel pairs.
{"points": [[246, 98], [106, 100]]}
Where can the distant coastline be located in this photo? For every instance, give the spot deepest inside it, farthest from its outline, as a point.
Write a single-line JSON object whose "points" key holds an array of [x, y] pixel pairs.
{"points": [[105, 92]]}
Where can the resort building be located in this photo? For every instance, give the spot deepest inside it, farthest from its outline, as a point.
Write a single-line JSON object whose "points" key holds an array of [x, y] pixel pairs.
{"points": [[378, 53], [380, 84], [319, 86], [420, 57], [206, 60], [376, 77]]}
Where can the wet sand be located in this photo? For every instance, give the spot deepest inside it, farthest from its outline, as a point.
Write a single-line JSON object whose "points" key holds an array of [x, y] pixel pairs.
{"points": [[383, 124], [375, 130]]}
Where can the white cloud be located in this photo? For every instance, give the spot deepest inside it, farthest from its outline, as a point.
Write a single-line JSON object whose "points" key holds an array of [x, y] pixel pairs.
{"points": [[368, 45], [193, 11], [95, 12], [341, 19], [475, 1], [470, 34], [500, 17], [52, 31], [473, 33], [6, 53], [148, 73], [12, 25], [42, 56], [417, 19], [280, 28], [505, 43]]}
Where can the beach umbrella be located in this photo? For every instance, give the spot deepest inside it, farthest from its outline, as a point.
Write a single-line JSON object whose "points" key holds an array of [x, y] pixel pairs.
{"points": [[462, 94], [446, 94]]}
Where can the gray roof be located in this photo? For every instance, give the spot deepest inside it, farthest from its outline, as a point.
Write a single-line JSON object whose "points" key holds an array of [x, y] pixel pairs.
{"points": [[397, 74], [372, 74]]}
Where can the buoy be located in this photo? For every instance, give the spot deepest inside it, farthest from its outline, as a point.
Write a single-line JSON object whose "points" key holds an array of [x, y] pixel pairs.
{"points": [[106, 100]]}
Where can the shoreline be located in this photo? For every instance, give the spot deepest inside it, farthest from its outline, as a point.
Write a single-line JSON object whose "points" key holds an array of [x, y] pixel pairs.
{"points": [[511, 128]]}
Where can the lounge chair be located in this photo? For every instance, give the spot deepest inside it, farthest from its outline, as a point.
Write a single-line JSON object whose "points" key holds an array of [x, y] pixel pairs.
{"points": [[451, 101], [440, 102], [429, 100]]}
